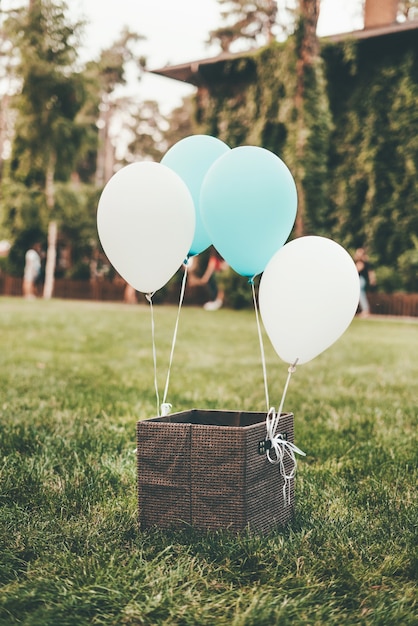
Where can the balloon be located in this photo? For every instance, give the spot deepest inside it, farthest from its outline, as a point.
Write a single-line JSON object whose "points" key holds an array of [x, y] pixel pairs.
{"points": [[248, 203], [146, 221], [308, 296], [191, 158]]}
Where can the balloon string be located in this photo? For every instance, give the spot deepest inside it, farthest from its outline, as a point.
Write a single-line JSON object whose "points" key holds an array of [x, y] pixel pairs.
{"points": [[154, 351], [291, 370], [166, 406], [260, 338], [279, 444]]}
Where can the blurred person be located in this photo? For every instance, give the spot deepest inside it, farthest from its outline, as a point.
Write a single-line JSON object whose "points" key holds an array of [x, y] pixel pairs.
{"points": [[367, 279], [213, 277], [32, 271], [129, 294]]}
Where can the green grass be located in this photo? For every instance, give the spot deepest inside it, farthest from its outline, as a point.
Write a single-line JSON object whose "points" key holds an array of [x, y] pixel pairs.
{"points": [[74, 379]]}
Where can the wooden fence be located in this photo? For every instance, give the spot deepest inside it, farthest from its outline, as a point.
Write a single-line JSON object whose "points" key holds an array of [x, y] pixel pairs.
{"points": [[69, 289], [398, 304], [404, 304]]}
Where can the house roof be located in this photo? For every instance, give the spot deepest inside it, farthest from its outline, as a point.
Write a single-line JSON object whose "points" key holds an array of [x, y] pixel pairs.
{"points": [[377, 31], [189, 72]]}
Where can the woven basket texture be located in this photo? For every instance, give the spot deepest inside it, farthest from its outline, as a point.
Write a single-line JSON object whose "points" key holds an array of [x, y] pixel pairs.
{"points": [[203, 468]]}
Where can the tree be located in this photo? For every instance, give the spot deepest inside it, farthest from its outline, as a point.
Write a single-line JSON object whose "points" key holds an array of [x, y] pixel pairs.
{"points": [[52, 92], [147, 127], [307, 60], [288, 102], [181, 123], [104, 77], [251, 21], [408, 9]]}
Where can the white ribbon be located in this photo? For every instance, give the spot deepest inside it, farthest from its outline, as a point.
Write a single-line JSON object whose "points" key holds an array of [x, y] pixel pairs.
{"points": [[282, 448]]}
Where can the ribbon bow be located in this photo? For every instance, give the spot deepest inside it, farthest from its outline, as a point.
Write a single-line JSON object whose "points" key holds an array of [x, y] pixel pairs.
{"points": [[281, 448]]}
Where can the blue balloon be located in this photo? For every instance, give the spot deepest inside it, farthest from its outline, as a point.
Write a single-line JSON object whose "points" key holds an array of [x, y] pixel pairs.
{"points": [[248, 203], [191, 159]]}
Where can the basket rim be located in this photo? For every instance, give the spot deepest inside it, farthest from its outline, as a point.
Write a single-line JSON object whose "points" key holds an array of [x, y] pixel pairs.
{"points": [[170, 419]]}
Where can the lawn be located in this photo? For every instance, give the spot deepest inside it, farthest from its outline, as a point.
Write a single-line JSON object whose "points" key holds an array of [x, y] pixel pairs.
{"points": [[74, 379]]}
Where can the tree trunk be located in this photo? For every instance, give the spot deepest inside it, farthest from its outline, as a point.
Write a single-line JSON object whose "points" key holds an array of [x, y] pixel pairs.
{"points": [[105, 152], [307, 53], [4, 112], [51, 255]]}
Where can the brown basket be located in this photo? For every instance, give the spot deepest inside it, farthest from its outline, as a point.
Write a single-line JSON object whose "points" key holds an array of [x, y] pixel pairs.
{"points": [[209, 469]]}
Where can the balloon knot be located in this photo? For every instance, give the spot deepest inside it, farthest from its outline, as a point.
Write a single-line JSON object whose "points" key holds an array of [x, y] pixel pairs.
{"points": [[165, 408]]}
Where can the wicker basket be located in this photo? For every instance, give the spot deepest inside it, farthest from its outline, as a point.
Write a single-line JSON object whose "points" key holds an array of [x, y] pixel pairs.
{"points": [[209, 469]]}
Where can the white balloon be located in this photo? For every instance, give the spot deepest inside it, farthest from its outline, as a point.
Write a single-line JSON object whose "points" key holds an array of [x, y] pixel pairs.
{"points": [[308, 296], [146, 223]]}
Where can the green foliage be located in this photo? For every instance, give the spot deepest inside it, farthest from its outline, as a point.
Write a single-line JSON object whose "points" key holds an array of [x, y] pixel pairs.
{"points": [[359, 168], [408, 267], [110, 70], [52, 93], [22, 208], [181, 123], [375, 153], [23, 221], [102, 78], [76, 209], [388, 279], [26, 220], [252, 101], [238, 292], [147, 127], [245, 20], [75, 377]]}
